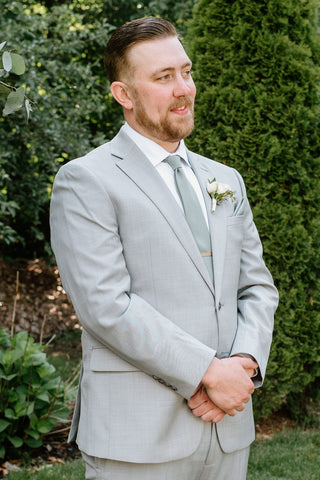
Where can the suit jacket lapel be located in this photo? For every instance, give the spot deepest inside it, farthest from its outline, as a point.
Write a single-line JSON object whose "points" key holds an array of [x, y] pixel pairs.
{"points": [[217, 221], [136, 166]]}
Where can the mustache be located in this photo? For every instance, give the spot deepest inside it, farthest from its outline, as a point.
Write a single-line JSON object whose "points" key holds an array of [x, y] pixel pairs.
{"points": [[188, 101]]}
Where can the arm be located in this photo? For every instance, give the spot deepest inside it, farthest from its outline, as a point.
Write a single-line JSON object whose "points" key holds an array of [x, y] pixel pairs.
{"points": [[257, 298], [257, 301], [89, 253]]}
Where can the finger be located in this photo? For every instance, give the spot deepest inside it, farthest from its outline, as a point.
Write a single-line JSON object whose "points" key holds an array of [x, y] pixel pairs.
{"points": [[196, 402], [251, 390], [213, 417], [232, 412], [240, 408], [198, 398], [204, 408], [248, 363]]}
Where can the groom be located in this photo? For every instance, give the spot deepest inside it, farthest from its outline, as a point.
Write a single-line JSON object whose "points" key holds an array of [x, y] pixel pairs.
{"points": [[175, 301]]}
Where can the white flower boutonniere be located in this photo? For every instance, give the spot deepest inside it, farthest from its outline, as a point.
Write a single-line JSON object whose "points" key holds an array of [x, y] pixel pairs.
{"points": [[219, 192]]}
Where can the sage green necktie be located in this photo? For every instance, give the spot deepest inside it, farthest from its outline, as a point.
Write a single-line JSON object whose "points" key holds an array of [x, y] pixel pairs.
{"points": [[192, 211]]}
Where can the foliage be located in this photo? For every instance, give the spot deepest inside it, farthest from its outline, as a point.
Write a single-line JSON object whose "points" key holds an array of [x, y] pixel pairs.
{"points": [[257, 71], [33, 398], [11, 62], [71, 115], [73, 111], [176, 11]]}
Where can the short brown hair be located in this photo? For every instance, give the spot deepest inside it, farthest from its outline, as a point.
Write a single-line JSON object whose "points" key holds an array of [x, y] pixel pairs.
{"points": [[139, 30]]}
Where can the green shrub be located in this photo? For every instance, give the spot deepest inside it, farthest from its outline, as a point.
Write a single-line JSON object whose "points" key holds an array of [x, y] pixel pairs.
{"points": [[256, 66], [73, 111], [71, 114], [33, 398]]}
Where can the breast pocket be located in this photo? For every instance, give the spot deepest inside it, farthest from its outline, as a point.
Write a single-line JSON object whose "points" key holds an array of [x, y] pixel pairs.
{"points": [[234, 236]]}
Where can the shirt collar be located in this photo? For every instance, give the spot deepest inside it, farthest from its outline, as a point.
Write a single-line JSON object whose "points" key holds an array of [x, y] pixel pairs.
{"points": [[152, 150]]}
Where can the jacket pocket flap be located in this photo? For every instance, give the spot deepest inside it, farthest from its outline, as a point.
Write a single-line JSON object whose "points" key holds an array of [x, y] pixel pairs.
{"points": [[103, 360]]}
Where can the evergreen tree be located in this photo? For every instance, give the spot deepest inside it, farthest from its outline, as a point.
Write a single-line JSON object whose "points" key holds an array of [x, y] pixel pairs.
{"points": [[258, 109]]}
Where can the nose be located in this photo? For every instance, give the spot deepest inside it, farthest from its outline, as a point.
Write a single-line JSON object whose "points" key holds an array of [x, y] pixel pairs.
{"points": [[183, 86]]}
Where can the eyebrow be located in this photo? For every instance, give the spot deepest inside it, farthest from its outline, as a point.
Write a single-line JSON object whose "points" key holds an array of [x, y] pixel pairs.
{"points": [[170, 69]]}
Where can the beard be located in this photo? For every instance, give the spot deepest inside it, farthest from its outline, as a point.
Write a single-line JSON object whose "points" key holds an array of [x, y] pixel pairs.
{"points": [[169, 128]]}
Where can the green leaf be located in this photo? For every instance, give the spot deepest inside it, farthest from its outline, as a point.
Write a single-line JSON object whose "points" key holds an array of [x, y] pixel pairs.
{"points": [[10, 356], [7, 61], [45, 370], [14, 101], [4, 338], [2, 451], [36, 359], [23, 409], [2, 45], [4, 91], [9, 413], [3, 424], [28, 108], [18, 65], [52, 384], [46, 425], [34, 434], [33, 443], [16, 441], [44, 397], [9, 377]]}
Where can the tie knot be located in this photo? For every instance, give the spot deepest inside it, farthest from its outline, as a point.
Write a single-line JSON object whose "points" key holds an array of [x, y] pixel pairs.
{"points": [[174, 161]]}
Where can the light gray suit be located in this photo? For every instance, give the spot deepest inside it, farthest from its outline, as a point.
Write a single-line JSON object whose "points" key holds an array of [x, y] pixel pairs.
{"points": [[152, 320]]}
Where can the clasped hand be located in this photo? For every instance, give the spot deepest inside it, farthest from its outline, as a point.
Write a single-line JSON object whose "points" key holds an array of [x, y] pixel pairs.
{"points": [[225, 389]]}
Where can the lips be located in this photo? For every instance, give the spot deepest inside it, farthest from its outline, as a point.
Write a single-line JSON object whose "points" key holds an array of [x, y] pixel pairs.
{"points": [[183, 107], [181, 110]]}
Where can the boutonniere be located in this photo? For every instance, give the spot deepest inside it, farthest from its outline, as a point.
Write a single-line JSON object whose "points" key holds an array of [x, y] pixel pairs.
{"points": [[219, 192]]}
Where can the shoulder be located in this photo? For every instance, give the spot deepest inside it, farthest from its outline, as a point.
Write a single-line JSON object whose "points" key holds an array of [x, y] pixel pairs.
{"points": [[91, 160], [98, 164]]}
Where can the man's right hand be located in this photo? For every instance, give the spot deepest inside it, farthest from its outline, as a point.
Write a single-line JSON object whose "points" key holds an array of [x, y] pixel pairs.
{"points": [[203, 407], [228, 384]]}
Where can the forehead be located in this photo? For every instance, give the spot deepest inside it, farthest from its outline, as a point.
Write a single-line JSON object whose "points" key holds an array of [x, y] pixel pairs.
{"points": [[151, 56]]}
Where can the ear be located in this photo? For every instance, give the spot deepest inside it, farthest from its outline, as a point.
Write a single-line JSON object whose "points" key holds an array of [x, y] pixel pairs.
{"points": [[120, 93]]}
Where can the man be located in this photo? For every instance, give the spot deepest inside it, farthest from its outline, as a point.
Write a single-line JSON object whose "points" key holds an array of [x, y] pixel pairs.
{"points": [[172, 331]]}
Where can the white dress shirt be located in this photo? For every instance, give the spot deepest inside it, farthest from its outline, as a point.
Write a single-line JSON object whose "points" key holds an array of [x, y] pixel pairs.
{"points": [[156, 154]]}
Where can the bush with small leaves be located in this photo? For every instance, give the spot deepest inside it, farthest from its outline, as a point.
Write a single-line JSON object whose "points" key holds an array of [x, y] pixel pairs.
{"points": [[256, 67], [12, 63]]}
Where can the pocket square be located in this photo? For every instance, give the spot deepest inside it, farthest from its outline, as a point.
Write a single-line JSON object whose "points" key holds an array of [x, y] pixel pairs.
{"points": [[239, 208]]}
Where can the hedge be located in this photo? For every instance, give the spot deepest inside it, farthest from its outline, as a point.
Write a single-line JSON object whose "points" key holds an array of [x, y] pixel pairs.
{"points": [[256, 67]]}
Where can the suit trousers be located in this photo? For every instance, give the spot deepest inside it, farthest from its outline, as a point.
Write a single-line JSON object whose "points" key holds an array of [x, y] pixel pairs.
{"points": [[208, 462]]}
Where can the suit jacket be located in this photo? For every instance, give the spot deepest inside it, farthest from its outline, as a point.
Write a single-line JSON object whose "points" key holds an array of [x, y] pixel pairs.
{"points": [[152, 319]]}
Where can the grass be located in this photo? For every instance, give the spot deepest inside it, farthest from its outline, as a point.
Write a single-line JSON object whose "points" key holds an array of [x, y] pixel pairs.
{"points": [[289, 455], [70, 471]]}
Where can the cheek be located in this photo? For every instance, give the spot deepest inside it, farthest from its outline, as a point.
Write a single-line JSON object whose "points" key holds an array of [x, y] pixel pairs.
{"points": [[193, 90]]}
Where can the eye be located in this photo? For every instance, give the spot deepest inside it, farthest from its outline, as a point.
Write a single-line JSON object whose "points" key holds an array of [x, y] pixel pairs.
{"points": [[188, 73], [164, 78]]}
